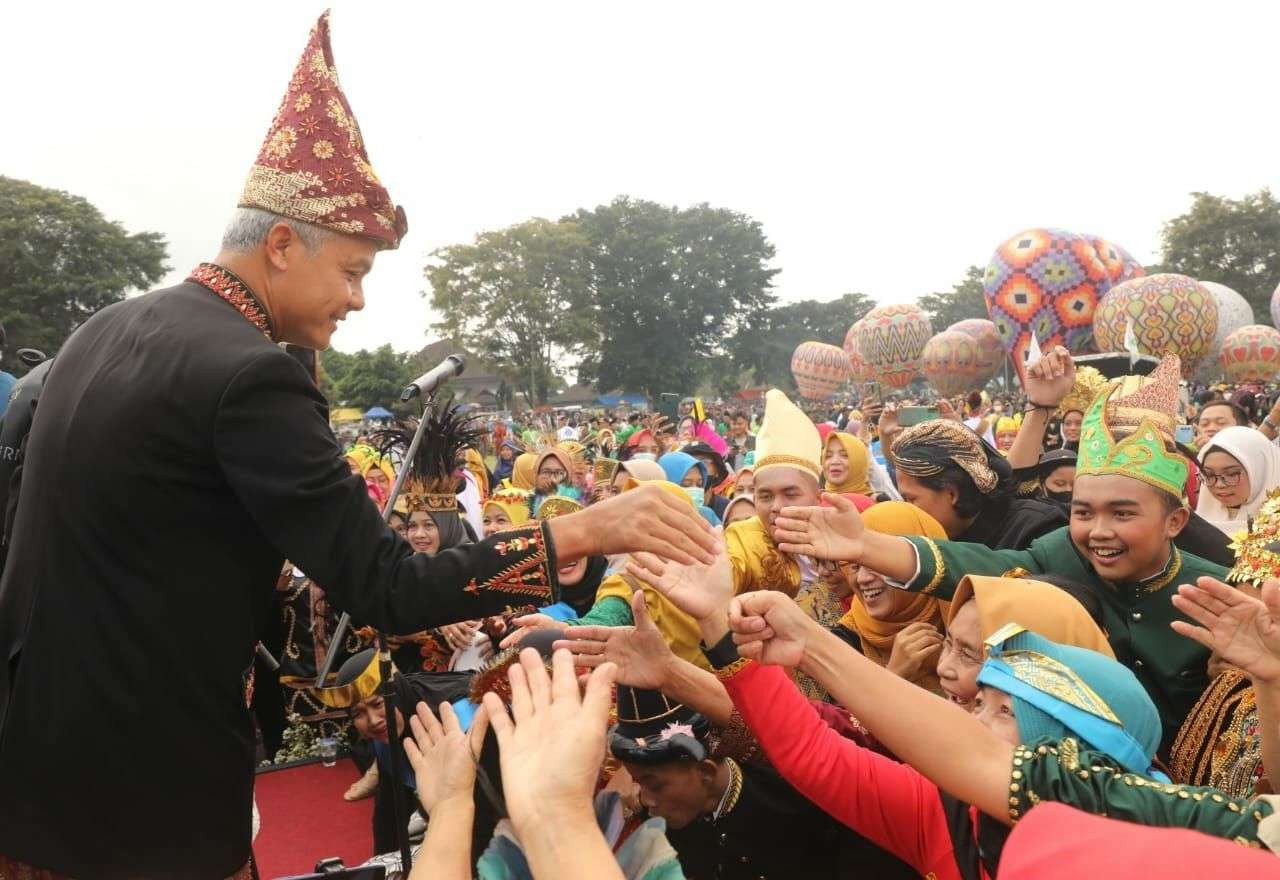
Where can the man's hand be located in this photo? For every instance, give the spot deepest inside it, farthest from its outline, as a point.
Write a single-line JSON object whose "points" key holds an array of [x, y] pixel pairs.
{"points": [[523, 625], [552, 744], [646, 519], [442, 756], [642, 655], [770, 627], [822, 532], [1050, 378], [915, 650], [1243, 630], [701, 591]]}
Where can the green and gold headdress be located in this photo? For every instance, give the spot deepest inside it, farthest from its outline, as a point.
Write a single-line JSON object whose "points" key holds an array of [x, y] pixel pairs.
{"points": [[1129, 430]]}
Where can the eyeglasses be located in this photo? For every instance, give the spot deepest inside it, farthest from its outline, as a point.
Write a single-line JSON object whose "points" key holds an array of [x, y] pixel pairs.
{"points": [[1226, 479], [553, 474]]}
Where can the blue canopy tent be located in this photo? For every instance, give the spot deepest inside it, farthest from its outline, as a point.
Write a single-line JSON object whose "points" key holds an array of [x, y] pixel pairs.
{"points": [[378, 414]]}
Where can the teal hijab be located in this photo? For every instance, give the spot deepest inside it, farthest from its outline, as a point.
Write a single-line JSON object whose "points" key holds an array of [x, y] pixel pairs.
{"points": [[1061, 690]]}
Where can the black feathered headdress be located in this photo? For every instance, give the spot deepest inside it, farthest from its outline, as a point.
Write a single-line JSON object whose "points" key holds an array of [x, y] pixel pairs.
{"points": [[432, 481]]}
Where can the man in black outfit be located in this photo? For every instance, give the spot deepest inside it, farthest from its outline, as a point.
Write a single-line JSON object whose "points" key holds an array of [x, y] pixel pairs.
{"points": [[177, 456]]}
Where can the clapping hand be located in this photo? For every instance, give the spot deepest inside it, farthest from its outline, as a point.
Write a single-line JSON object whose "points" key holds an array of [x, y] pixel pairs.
{"points": [[442, 756], [1242, 629], [822, 532], [640, 652]]}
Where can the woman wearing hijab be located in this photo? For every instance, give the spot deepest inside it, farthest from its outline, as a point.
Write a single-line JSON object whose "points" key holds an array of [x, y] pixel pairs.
{"points": [[1239, 467], [899, 630], [1052, 723], [553, 475], [378, 471], [947, 471], [524, 472], [504, 509], [507, 453]]}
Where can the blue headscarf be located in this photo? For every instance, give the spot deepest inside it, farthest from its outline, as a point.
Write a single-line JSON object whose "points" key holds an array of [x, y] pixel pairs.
{"points": [[676, 464], [1062, 690]]}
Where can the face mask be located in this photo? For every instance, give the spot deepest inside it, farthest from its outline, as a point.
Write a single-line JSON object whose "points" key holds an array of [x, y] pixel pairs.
{"points": [[1064, 497], [696, 493], [645, 456]]}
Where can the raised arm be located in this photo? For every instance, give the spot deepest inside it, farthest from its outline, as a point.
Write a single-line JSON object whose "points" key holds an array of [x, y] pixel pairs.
{"points": [[1048, 381]]}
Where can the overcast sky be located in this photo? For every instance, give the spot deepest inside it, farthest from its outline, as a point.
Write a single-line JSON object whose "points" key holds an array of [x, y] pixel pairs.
{"points": [[883, 147]]}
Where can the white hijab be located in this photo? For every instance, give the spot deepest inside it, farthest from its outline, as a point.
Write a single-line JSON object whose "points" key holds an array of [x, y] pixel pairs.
{"points": [[1260, 459]]}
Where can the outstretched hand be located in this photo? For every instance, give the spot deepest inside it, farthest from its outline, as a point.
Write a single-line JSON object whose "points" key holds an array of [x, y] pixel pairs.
{"points": [[640, 652], [522, 626], [822, 532], [770, 627], [1242, 629], [703, 591], [442, 756], [647, 519]]}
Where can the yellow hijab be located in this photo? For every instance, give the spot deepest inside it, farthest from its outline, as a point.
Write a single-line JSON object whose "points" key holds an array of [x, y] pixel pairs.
{"points": [[513, 502], [474, 463], [1034, 605], [859, 463], [524, 472], [897, 518], [382, 464]]}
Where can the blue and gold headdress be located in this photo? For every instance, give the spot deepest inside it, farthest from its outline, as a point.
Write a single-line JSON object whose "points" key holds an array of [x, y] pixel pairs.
{"points": [[1129, 430]]}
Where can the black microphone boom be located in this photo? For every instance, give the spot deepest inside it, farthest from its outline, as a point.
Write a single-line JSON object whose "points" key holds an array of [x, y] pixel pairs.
{"points": [[428, 382]]}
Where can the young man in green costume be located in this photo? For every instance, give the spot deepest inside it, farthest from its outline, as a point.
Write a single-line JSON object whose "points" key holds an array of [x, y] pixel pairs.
{"points": [[1128, 506]]}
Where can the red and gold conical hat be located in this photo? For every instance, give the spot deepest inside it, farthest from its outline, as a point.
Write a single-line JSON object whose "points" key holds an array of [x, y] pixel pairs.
{"points": [[313, 166]]}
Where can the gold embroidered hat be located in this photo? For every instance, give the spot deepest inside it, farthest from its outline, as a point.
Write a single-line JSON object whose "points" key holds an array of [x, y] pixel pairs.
{"points": [[604, 470], [788, 437], [1128, 430], [1084, 391], [313, 166], [432, 482], [1257, 552]]}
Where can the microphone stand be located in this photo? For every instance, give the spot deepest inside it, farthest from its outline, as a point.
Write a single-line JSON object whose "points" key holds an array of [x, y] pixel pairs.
{"points": [[387, 688]]}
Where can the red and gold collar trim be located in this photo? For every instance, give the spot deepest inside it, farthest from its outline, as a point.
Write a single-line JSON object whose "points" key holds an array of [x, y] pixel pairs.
{"points": [[230, 288]]}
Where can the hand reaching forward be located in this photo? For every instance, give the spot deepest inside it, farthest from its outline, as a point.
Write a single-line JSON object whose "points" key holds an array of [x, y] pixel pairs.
{"points": [[522, 626], [1244, 630], [552, 744], [641, 654], [833, 533], [770, 627], [702, 591], [1050, 378], [646, 519], [442, 756]]}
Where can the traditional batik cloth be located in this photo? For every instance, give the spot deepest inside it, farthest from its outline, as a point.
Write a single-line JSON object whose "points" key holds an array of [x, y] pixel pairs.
{"points": [[1221, 742]]}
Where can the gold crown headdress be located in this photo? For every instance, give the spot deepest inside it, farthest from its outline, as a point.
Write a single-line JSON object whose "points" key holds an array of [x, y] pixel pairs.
{"points": [[1088, 385], [432, 482]]}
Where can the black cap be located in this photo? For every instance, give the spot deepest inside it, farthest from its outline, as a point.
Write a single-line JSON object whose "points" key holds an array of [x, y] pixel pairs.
{"points": [[654, 729]]}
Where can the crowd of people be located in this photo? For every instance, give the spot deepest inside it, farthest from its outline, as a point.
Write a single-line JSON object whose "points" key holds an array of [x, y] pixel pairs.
{"points": [[1027, 636]]}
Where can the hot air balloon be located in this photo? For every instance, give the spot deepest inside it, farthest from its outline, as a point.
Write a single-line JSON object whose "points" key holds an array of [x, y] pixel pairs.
{"points": [[989, 350], [1234, 312], [858, 369], [1251, 354], [1047, 282], [954, 363], [819, 369], [1119, 263], [1168, 313], [891, 339]]}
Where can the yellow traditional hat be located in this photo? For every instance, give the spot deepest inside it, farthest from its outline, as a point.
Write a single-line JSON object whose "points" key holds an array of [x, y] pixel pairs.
{"points": [[1257, 551], [557, 505], [788, 437], [513, 502], [1009, 424], [357, 680], [1088, 385], [604, 470]]}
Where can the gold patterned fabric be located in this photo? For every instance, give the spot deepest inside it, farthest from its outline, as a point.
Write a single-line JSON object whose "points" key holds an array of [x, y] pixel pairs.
{"points": [[1221, 742], [1088, 385], [959, 444]]}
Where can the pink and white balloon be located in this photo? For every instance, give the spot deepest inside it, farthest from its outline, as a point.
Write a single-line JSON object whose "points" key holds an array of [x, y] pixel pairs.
{"points": [[819, 369], [1234, 312], [1251, 354]]}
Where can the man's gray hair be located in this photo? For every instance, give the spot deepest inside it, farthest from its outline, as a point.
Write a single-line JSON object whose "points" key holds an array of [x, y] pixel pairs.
{"points": [[249, 227]]}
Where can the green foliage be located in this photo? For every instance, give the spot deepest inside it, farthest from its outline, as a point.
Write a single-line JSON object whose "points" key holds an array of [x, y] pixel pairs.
{"points": [[516, 296], [364, 379], [61, 261], [764, 347], [669, 287], [962, 302], [1235, 242]]}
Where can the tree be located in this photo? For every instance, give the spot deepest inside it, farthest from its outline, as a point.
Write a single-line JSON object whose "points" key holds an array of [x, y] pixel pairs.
{"points": [[369, 378], [669, 286], [1235, 242], [334, 366], [61, 261], [963, 301], [765, 346], [517, 296]]}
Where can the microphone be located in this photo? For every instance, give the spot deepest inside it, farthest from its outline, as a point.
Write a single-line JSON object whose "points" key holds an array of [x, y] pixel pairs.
{"points": [[428, 382]]}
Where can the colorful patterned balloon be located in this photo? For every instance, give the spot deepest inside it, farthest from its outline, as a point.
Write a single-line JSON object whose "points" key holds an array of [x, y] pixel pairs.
{"points": [[858, 369], [819, 369], [1169, 313], [1119, 263], [989, 349], [1047, 282], [954, 363], [1251, 354], [890, 340], [1234, 312]]}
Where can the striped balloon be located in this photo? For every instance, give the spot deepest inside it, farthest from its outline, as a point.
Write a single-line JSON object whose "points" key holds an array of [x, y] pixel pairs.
{"points": [[1251, 354], [819, 369], [891, 340]]}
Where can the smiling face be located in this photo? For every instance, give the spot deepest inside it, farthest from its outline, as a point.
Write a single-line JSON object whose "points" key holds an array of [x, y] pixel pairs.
{"points": [[835, 467], [1226, 478], [495, 520], [1071, 426], [881, 600], [571, 575], [311, 291], [779, 487], [962, 656], [1122, 526], [423, 534]]}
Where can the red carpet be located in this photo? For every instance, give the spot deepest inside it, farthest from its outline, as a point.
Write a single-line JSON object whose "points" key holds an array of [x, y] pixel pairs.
{"points": [[305, 819]]}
